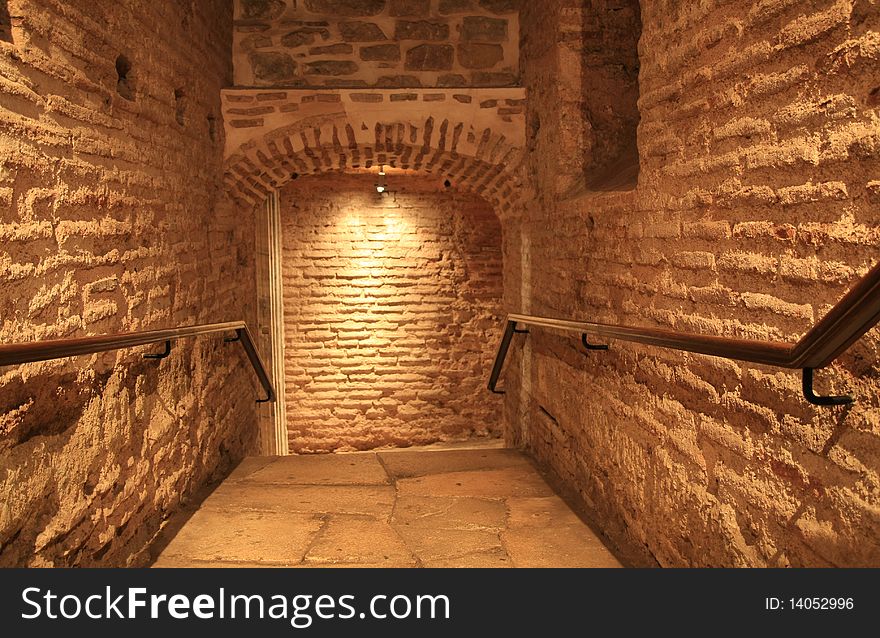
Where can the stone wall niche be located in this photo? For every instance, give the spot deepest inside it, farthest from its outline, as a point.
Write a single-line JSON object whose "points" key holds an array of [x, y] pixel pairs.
{"points": [[610, 81], [5, 22]]}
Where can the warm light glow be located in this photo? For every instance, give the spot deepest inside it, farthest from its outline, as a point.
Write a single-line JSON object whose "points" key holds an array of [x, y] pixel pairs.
{"points": [[372, 238], [380, 188]]}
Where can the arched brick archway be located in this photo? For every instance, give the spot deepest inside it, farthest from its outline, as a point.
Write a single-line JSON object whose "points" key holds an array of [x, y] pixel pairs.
{"points": [[472, 137]]}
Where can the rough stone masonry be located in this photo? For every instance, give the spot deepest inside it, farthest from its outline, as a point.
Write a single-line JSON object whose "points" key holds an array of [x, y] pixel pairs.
{"points": [[391, 44], [112, 218], [755, 209]]}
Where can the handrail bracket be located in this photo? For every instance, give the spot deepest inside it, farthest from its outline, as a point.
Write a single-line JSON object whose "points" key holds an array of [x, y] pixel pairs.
{"points": [[509, 331], [162, 355], [591, 346], [815, 399]]}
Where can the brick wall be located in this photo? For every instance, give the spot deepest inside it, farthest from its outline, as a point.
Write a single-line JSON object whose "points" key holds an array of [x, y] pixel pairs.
{"points": [[383, 43], [112, 219], [392, 308], [757, 207]]}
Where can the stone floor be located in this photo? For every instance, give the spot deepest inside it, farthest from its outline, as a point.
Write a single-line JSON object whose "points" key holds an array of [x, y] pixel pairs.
{"points": [[428, 507]]}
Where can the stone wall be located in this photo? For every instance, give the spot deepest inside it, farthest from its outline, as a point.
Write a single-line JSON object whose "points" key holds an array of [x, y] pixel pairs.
{"points": [[112, 219], [382, 43], [756, 209], [392, 312]]}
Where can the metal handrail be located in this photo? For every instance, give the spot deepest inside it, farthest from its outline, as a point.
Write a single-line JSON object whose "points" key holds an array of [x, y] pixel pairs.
{"points": [[856, 313], [30, 352]]}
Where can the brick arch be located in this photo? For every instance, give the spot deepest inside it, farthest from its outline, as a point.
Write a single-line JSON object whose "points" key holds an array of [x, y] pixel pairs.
{"points": [[476, 143]]}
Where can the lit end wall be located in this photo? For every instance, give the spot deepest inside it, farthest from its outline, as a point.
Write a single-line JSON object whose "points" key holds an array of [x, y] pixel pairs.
{"points": [[392, 312]]}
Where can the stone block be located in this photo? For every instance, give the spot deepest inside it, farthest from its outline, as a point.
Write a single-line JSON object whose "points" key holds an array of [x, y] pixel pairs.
{"points": [[256, 41], [430, 57], [482, 29], [261, 9], [273, 66], [421, 30], [332, 49], [303, 37], [346, 8], [488, 78], [331, 67], [455, 6], [480, 56], [410, 8], [361, 32], [381, 52], [501, 6], [398, 81], [452, 80], [367, 97]]}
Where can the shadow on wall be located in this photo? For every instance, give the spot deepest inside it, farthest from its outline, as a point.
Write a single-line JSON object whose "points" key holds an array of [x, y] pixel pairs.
{"points": [[57, 428], [46, 405]]}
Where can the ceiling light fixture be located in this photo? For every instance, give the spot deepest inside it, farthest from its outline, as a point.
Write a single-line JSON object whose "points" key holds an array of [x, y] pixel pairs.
{"points": [[381, 186]]}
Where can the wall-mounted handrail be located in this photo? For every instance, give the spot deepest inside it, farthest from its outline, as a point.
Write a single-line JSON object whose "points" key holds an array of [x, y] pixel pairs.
{"points": [[30, 352], [856, 313]]}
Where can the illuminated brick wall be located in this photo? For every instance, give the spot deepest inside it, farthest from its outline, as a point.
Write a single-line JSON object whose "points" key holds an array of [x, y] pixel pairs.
{"points": [[392, 308]]}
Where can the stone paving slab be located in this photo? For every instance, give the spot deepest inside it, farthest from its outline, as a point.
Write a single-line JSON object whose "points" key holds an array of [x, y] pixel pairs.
{"points": [[262, 537], [348, 539], [477, 560], [445, 545], [374, 500], [451, 513], [410, 464], [503, 483], [451, 530], [177, 562], [324, 469], [250, 465], [544, 532]]}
